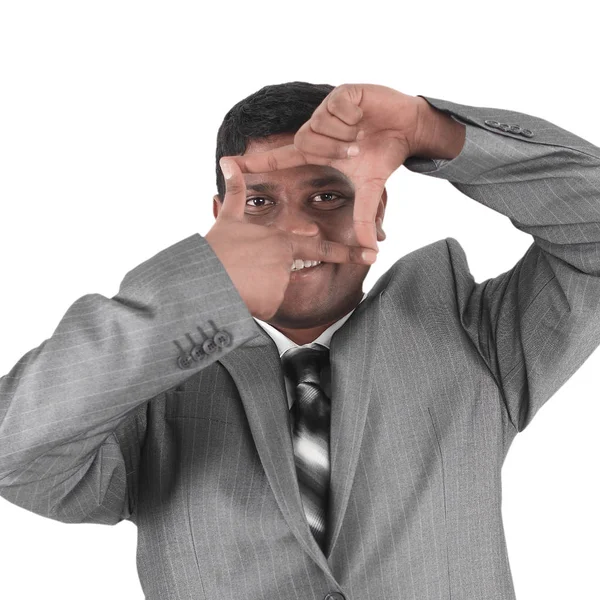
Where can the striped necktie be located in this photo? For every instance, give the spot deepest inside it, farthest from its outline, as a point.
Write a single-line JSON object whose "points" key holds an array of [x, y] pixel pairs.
{"points": [[311, 418]]}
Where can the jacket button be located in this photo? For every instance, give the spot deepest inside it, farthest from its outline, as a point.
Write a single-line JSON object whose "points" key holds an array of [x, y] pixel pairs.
{"points": [[209, 346], [197, 353], [185, 361], [515, 129], [527, 133], [222, 338], [335, 596], [492, 123], [504, 127]]}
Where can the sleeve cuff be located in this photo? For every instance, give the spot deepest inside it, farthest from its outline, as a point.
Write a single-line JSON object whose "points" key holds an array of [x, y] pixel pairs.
{"points": [[459, 168], [484, 150]]}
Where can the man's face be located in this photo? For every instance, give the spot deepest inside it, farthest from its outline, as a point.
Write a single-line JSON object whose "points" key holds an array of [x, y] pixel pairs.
{"points": [[323, 210]]}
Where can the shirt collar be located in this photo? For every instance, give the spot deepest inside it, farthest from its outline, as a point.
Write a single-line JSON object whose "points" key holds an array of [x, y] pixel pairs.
{"points": [[284, 343]]}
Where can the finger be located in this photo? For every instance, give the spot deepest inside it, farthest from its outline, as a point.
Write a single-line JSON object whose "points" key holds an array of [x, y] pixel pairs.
{"points": [[366, 202], [344, 103], [276, 159], [234, 203], [324, 123], [327, 251], [308, 141]]}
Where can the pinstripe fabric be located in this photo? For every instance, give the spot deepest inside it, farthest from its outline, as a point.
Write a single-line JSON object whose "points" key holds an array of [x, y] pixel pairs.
{"points": [[432, 377]]}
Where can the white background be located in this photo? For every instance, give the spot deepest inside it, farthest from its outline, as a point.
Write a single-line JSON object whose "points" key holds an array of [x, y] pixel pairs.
{"points": [[108, 120]]}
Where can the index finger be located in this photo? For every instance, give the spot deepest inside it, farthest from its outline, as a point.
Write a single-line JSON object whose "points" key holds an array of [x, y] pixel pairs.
{"points": [[276, 159], [309, 248]]}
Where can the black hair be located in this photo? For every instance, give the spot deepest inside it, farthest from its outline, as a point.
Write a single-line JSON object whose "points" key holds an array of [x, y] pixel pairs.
{"points": [[272, 110]]}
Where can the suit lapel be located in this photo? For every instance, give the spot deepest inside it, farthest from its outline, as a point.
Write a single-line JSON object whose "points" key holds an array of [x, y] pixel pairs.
{"points": [[351, 356], [264, 400]]}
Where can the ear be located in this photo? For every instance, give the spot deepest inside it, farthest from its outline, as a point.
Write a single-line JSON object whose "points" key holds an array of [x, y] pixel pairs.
{"points": [[216, 205], [379, 216]]}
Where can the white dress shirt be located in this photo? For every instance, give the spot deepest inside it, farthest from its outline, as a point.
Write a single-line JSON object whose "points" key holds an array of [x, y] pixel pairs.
{"points": [[284, 343]]}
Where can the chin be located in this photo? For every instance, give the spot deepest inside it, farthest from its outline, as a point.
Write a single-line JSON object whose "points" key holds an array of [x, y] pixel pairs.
{"points": [[299, 318]]}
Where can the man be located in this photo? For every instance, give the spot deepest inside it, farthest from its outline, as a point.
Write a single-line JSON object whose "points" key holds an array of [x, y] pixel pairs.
{"points": [[283, 434]]}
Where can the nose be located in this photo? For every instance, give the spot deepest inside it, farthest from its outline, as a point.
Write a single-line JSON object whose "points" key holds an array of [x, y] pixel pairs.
{"points": [[297, 222]]}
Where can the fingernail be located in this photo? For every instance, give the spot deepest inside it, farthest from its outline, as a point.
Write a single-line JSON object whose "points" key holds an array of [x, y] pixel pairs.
{"points": [[353, 150], [369, 255], [226, 168]]}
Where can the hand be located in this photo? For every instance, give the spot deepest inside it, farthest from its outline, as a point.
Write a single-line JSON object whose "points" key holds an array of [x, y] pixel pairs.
{"points": [[390, 126], [258, 258]]}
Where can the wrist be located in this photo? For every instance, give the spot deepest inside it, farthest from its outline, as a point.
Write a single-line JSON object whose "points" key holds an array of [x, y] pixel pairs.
{"points": [[437, 135]]}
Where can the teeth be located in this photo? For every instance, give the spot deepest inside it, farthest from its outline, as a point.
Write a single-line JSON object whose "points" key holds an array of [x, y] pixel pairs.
{"points": [[302, 264]]}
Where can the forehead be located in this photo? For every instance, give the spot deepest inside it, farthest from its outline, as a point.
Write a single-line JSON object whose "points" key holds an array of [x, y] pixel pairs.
{"points": [[303, 176]]}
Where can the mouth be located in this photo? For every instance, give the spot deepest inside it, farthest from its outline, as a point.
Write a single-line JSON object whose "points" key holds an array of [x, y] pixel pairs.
{"points": [[306, 272]]}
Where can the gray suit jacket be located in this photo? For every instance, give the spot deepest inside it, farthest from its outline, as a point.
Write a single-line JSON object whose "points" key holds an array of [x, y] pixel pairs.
{"points": [[433, 375]]}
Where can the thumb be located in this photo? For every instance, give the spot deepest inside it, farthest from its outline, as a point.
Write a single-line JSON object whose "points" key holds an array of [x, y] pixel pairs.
{"points": [[234, 203], [366, 203]]}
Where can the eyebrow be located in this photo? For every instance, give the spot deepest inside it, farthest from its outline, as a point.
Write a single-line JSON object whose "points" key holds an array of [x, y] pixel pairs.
{"points": [[316, 182]]}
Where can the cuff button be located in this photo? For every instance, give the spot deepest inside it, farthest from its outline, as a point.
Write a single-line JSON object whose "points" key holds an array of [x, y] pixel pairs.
{"points": [[209, 346], [197, 353], [222, 338], [185, 361]]}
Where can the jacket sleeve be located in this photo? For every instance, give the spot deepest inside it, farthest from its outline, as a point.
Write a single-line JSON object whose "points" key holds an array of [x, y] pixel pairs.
{"points": [[536, 324], [72, 410]]}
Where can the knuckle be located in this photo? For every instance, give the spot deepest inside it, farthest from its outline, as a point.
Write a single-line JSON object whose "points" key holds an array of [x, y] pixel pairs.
{"points": [[272, 162], [316, 123], [300, 138], [234, 188], [325, 248], [335, 99]]}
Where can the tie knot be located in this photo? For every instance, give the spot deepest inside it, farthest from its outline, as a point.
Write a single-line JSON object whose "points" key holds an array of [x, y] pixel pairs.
{"points": [[304, 364]]}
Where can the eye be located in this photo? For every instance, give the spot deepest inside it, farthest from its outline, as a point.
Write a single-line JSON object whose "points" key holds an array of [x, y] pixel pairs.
{"points": [[337, 197], [257, 198], [328, 194]]}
